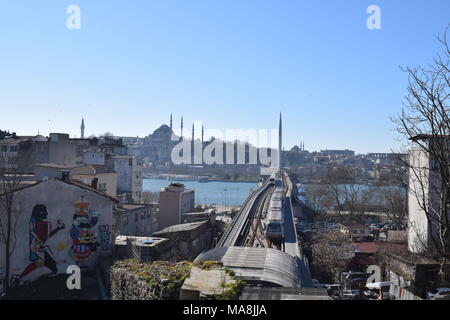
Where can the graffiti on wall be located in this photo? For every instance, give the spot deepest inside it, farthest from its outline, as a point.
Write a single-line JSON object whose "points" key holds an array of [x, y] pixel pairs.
{"points": [[40, 255], [84, 241], [105, 237]]}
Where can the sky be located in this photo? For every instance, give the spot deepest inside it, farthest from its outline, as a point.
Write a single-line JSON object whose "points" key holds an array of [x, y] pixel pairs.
{"points": [[230, 64]]}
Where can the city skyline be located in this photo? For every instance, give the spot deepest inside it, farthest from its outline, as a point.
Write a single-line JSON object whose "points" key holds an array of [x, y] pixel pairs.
{"points": [[230, 65]]}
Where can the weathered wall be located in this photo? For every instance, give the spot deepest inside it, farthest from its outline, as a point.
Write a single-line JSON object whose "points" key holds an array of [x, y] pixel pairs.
{"points": [[107, 182], [125, 222], [60, 150], [129, 177], [59, 224]]}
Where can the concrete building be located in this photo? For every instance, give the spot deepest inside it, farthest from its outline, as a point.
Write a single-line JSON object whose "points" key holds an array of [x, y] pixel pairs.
{"points": [[9, 151], [24, 152], [190, 239], [174, 200], [135, 220], [143, 249], [99, 177], [47, 171], [129, 177], [354, 230], [109, 146], [424, 196], [93, 157], [59, 223]]}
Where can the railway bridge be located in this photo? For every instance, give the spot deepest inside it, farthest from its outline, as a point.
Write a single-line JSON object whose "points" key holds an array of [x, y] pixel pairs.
{"points": [[245, 249]]}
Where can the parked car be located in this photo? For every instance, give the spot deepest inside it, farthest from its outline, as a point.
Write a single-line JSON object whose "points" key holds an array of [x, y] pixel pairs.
{"points": [[439, 294], [350, 294], [334, 290]]}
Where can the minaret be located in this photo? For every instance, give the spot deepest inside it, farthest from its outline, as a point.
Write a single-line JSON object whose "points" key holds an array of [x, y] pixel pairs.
{"points": [[280, 143], [170, 121], [193, 145], [82, 128], [181, 128], [203, 134]]}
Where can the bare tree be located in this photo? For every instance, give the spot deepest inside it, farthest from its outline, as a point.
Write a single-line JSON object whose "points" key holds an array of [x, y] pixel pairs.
{"points": [[344, 191], [10, 181], [317, 197], [331, 253], [424, 120], [393, 199]]}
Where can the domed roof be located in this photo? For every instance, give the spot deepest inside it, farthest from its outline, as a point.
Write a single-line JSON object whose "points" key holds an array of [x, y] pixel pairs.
{"points": [[163, 129], [163, 132]]}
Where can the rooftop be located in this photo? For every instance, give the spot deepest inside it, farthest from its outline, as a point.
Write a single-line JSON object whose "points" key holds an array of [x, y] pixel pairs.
{"points": [[55, 166], [92, 169], [15, 139], [181, 227], [122, 240], [260, 265]]}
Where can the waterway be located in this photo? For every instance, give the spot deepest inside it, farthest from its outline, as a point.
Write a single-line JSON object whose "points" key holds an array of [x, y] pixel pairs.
{"points": [[221, 193]]}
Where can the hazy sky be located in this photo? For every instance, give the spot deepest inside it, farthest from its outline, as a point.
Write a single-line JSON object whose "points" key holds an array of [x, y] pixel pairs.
{"points": [[228, 63]]}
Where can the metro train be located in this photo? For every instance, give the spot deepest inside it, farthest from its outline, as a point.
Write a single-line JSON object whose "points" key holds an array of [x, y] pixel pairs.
{"points": [[274, 218]]}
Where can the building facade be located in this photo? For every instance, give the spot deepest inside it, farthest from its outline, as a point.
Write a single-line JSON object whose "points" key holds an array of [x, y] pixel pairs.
{"points": [[59, 223], [134, 220], [129, 177], [174, 200]]}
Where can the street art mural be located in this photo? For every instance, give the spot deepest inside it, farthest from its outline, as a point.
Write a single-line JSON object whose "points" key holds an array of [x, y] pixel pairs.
{"points": [[84, 241], [40, 255], [105, 237]]}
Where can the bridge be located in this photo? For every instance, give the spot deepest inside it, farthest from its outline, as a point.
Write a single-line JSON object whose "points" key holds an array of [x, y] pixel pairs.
{"points": [[255, 259]]}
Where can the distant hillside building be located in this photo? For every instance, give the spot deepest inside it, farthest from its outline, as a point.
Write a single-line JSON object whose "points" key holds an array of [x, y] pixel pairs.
{"points": [[156, 147], [174, 200], [106, 146]]}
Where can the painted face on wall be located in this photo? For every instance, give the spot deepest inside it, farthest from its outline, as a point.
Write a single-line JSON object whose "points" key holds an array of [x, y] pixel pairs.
{"points": [[84, 241]]}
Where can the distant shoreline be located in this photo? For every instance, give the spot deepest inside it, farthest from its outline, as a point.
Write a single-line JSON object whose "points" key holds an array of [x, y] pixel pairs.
{"points": [[211, 180]]}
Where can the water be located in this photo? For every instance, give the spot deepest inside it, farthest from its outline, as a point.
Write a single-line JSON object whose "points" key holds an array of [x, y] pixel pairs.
{"points": [[373, 199], [214, 192]]}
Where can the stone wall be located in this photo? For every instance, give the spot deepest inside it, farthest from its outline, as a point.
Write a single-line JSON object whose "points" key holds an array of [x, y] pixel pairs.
{"points": [[159, 280], [163, 280]]}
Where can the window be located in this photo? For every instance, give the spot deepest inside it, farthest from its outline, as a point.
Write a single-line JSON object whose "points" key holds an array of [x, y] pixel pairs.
{"points": [[4, 148], [13, 148], [125, 221], [274, 227], [136, 217], [102, 187]]}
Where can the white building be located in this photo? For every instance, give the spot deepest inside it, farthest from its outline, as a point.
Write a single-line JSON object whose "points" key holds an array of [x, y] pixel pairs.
{"points": [[174, 201], [129, 178], [424, 196]]}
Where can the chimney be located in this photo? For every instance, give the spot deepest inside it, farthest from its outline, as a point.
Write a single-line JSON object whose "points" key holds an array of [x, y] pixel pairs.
{"points": [[65, 175], [94, 183]]}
